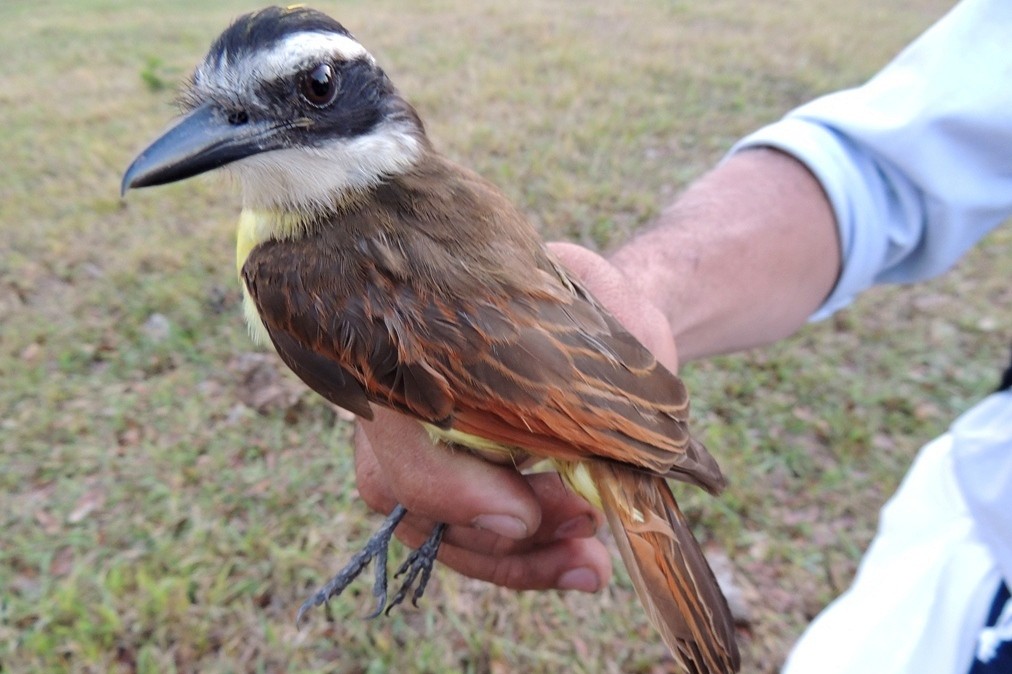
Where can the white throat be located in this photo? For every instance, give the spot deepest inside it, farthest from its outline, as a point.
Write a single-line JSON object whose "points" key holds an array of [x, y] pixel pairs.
{"points": [[314, 179]]}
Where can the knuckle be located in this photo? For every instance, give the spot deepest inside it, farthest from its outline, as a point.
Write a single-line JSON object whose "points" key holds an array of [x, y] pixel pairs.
{"points": [[510, 572]]}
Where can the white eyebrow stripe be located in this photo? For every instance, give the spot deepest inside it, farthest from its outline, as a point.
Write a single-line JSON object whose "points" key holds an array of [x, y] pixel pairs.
{"points": [[296, 50]]}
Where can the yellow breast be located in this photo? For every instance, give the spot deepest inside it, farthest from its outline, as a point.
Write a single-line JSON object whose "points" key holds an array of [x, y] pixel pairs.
{"points": [[575, 473], [255, 227]]}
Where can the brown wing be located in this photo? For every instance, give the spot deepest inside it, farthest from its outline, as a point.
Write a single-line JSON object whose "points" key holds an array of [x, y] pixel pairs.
{"points": [[571, 373], [338, 339], [543, 369]]}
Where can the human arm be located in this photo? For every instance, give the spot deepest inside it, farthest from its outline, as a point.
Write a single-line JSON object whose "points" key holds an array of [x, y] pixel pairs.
{"points": [[741, 259], [908, 172]]}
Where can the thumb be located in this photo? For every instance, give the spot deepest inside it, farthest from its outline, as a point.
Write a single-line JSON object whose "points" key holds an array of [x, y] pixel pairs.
{"points": [[396, 462]]}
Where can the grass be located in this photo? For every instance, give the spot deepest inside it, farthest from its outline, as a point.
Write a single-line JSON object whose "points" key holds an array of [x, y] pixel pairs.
{"points": [[168, 496]]}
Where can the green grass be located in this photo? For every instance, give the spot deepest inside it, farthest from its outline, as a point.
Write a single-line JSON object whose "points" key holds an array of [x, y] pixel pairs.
{"points": [[168, 498]]}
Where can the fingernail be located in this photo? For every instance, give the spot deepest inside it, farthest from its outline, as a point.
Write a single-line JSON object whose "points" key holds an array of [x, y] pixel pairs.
{"points": [[504, 525], [583, 579], [581, 526]]}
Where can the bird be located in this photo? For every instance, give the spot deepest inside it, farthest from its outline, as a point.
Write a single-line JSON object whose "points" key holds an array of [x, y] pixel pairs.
{"points": [[385, 274]]}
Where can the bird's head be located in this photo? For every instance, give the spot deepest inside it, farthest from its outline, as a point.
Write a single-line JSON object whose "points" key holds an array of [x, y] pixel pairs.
{"points": [[291, 104]]}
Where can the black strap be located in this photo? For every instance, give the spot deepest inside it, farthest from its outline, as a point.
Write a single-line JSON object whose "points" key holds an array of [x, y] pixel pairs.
{"points": [[1000, 661], [1006, 379]]}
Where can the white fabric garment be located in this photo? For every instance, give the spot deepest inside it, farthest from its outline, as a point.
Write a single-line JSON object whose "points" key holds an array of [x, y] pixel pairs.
{"points": [[923, 589], [917, 165]]}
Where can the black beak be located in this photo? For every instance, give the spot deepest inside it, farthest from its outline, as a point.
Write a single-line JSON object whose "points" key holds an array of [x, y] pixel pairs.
{"points": [[199, 142]]}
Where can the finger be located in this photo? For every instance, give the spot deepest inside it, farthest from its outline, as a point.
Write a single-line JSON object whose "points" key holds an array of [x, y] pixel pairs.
{"points": [[396, 462], [571, 564], [564, 515], [622, 297]]}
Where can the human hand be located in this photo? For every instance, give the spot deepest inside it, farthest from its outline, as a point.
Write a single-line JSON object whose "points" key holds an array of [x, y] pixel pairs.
{"points": [[524, 532]]}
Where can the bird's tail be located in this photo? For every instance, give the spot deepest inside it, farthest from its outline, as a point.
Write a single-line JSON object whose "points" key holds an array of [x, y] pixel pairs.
{"points": [[672, 578]]}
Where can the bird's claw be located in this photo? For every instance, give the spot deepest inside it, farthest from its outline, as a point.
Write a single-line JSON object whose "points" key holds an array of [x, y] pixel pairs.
{"points": [[419, 562]]}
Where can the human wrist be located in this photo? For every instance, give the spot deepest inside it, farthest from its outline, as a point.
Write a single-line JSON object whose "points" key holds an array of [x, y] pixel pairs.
{"points": [[661, 274], [742, 257]]}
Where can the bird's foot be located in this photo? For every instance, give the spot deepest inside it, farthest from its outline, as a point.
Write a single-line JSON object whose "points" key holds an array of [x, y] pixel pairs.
{"points": [[376, 548], [420, 561]]}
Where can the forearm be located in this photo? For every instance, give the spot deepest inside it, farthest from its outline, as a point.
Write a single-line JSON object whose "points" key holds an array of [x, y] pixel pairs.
{"points": [[742, 258]]}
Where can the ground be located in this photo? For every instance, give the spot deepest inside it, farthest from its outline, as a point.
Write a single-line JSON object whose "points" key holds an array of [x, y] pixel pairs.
{"points": [[169, 495]]}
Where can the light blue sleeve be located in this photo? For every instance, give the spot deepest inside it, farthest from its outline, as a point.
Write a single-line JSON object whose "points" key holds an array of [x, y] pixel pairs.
{"points": [[917, 163]]}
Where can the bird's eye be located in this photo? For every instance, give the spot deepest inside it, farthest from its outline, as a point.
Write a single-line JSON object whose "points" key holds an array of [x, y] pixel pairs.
{"points": [[318, 85]]}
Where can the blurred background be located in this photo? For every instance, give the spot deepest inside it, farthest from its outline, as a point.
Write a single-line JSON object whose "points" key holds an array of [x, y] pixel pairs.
{"points": [[169, 495]]}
